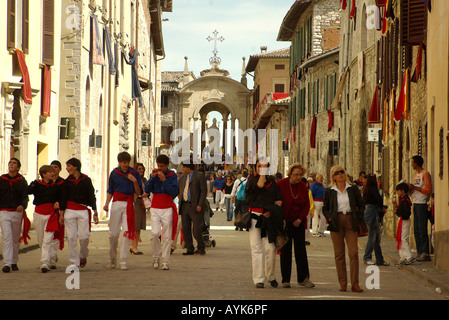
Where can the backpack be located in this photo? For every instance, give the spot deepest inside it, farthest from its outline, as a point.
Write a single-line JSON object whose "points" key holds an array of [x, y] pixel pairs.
{"points": [[241, 194]]}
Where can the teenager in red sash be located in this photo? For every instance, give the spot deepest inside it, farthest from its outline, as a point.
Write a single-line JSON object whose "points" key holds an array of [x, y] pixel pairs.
{"points": [[46, 215], [124, 183], [13, 202], [77, 195], [163, 183]]}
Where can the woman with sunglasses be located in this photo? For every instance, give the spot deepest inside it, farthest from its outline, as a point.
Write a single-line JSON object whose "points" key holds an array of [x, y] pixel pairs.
{"points": [[343, 208]]}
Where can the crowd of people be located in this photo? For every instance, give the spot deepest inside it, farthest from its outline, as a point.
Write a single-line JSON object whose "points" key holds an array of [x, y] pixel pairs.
{"points": [[295, 206]]}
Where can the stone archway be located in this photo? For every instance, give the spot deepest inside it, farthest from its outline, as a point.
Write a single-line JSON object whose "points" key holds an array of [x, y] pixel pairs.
{"points": [[214, 91]]}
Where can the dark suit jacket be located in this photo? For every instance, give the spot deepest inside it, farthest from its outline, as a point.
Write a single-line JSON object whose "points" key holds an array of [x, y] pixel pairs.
{"points": [[198, 191], [330, 207]]}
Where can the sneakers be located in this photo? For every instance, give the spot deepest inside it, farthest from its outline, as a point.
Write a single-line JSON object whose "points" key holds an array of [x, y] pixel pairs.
{"points": [[155, 264], [44, 268], [423, 257], [123, 266], [165, 266], [306, 283], [112, 264]]}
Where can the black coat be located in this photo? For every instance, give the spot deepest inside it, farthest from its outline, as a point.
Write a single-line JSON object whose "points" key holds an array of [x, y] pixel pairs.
{"points": [[330, 208], [271, 227]]}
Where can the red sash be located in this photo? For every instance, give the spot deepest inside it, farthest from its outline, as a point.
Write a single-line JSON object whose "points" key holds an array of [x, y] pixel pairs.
{"points": [[399, 234], [130, 215], [45, 209], [258, 210], [80, 207], [165, 201], [26, 228]]}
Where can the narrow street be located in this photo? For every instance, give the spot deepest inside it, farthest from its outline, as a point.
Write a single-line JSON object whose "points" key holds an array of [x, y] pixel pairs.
{"points": [[224, 273]]}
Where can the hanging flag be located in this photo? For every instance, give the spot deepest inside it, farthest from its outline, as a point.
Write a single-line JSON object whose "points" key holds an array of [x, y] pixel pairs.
{"points": [[418, 70], [97, 44], [402, 106], [27, 95], [391, 110], [343, 4], [46, 92], [111, 62], [374, 113], [330, 114], [384, 120], [389, 11], [352, 15], [313, 133]]}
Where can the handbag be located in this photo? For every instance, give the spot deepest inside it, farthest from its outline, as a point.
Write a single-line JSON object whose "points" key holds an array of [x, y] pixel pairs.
{"points": [[363, 228], [281, 240], [243, 220]]}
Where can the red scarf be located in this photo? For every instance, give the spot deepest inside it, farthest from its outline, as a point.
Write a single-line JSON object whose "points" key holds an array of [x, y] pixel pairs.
{"points": [[130, 215], [76, 181], [54, 226], [399, 231], [12, 181]]}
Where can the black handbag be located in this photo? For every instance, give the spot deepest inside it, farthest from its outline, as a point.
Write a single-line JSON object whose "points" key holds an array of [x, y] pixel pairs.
{"points": [[243, 221]]}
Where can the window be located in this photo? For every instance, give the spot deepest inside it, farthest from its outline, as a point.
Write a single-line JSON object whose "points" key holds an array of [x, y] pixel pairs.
{"points": [[165, 100], [279, 67], [413, 22], [11, 24], [48, 41], [279, 88]]}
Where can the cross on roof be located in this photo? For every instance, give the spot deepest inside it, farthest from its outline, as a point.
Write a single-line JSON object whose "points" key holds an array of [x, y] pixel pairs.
{"points": [[215, 58]]}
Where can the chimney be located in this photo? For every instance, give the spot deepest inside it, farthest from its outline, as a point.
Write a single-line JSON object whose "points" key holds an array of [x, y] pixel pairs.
{"points": [[263, 49]]}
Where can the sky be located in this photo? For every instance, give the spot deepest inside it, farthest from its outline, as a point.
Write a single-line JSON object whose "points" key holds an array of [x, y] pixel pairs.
{"points": [[246, 25]]}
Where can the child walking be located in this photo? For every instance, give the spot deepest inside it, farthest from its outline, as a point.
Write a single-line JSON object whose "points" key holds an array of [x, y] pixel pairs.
{"points": [[403, 211]]}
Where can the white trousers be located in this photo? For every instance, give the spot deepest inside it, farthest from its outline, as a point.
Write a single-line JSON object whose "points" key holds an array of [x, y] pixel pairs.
{"points": [[263, 255], [218, 197], [405, 252], [161, 224], [118, 224], [11, 225], [77, 229], [318, 220], [49, 246]]}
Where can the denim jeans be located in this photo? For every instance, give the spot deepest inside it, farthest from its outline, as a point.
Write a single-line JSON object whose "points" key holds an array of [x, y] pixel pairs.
{"points": [[420, 228], [239, 206], [373, 243], [229, 208]]}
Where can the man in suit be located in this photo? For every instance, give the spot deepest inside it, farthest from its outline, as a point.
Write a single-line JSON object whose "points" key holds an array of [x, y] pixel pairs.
{"points": [[192, 194]]}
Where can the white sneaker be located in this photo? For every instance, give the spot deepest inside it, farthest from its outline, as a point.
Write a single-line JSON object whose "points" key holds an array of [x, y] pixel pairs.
{"points": [[155, 264], [44, 268], [111, 265], [165, 266], [123, 266]]}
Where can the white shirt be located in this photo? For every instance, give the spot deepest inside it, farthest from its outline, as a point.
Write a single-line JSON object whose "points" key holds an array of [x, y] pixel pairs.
{"points": [[343, 204], [237, 185]]}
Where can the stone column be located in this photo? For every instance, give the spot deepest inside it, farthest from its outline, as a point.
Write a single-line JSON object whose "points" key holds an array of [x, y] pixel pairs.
{"points": [[8, 123]]}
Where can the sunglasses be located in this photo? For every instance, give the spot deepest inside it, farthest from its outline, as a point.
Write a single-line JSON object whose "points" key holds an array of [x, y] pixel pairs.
{"points": [[336, 173]]}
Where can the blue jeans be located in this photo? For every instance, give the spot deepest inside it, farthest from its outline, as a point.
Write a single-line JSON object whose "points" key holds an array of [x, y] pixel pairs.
{"points": [[373, 243], [239, 206], [420, 228], [229, 208]]}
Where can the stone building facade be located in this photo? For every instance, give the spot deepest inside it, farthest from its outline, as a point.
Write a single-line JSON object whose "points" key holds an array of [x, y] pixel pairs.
{"points": [[313, 28], [29, 119]]}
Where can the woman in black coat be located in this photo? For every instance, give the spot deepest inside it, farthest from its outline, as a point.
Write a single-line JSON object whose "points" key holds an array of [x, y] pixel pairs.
{"points": [[343, 208]]}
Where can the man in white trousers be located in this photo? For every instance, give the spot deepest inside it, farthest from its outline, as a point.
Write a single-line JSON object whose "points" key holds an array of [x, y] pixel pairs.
{"points": [[13, 202], [318, 220], [163, 183], [124, 183]]}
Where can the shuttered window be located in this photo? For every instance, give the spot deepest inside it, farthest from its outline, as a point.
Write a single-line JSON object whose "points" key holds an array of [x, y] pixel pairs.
{"points": [[48, 32], [11, 36], [413, 22], [25, 25]]}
